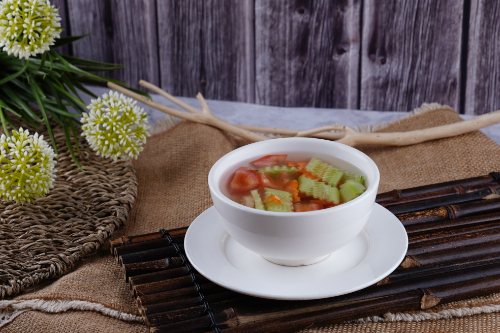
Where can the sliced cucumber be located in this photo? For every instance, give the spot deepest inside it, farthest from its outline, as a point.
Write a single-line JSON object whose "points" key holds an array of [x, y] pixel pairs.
{"points": [[326, 172], [316, 167], [332, 176], [318, 190], [257, 199], [286, 204], [351, 189], [357, 178], [275, 170]]}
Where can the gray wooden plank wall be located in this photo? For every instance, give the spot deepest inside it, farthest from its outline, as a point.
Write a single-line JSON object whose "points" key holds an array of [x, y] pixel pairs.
{"points": [[358, 54]]}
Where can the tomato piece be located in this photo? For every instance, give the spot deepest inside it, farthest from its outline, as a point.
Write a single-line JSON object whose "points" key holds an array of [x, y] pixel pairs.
{"points": [[306, 207], [268, 160], [244, 180]]}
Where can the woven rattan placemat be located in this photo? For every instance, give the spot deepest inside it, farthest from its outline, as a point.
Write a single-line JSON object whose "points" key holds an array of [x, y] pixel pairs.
{"points": [[173, 190]]}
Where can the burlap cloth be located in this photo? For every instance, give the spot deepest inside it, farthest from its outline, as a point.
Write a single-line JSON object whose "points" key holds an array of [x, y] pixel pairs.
{"points": [[172, 176]]}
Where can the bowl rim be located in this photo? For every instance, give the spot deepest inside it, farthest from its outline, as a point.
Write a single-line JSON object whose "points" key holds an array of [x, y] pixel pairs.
{"points": [[215, 189]]}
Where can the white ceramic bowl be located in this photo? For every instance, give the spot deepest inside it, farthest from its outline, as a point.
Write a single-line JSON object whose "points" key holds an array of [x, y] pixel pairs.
{"points": [[294, 239]]}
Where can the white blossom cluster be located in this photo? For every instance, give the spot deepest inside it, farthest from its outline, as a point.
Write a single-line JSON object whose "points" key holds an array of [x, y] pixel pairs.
{"points": [[115, 127], [26, 166], [28, 27]]}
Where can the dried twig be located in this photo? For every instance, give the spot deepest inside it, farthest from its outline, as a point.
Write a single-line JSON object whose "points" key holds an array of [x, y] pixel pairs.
{"points": [[197, 116], [343, 134]]}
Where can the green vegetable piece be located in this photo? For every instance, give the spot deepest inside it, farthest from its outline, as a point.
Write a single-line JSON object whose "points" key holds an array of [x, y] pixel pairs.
{"points": [[332, 176], [351, 189], [325, 192], [357, 178], [275, 170], [257, 199], [316, 167], [286, 204], [318, 190], [306, 185], [326, 172]]}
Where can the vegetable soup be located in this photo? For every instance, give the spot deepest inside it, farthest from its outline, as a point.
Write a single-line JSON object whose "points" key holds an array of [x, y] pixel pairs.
{"points": [[283, 183]]}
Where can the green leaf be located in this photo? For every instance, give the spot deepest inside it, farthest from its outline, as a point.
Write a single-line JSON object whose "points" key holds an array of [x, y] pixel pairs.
{"points": [[67, 40], [70, 147], [71, 97], [13, 76], [21, 85], [69, 84], [80, 87], [14, 98], [62, 112], [36, 89], [2, 118], [6, 107], [90, 63], [75, 135], [42, 63]]}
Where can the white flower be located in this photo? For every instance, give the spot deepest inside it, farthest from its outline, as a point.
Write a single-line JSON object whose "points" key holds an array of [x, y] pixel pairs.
{"points": [[28, 27], [26, 166], [115, 127]]}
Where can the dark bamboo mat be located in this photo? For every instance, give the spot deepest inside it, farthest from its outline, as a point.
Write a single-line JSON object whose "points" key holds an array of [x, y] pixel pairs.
{"points": [[454, 253]]}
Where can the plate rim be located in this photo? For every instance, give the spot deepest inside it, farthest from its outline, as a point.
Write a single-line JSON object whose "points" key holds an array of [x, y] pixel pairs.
{"points": [[396, 224]]}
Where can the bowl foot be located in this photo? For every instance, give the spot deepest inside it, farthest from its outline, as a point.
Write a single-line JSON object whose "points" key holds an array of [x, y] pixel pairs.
{"points": [[295, 263]]}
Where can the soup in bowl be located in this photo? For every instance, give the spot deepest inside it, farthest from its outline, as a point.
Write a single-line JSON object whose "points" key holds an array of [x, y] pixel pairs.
{"points": [[296, 237]]}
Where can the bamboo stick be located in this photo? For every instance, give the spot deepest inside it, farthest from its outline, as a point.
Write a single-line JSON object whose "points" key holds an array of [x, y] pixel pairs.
{"points": [[450, 212], [452, 242], [447, 256], [166, 285], [404, 274], [177, 294], [148, 255], [427, 189], [464, 232], [196, 325], [461, 290], [146, 245], [157, 276], [149, 310], [428, 228], [172, 316], [437, 202], [124, 240], [130, 270], [439, 194]]}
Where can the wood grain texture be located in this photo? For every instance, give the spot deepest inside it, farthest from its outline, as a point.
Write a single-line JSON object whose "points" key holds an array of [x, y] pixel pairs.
{"points": [[61, 5], [123, 34], [307, 53], [206, 46], [483, 59], [410, 54]]}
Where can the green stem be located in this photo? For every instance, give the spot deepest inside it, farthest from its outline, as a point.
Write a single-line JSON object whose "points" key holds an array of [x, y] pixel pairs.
{"points": [[6, 131]]}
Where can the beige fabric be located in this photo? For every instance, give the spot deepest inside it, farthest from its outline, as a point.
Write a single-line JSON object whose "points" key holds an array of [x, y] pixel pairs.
{"points": [[173, 190]]}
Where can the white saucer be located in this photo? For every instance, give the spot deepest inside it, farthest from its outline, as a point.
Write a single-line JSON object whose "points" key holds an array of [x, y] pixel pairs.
{"points": [[367, 259]]}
